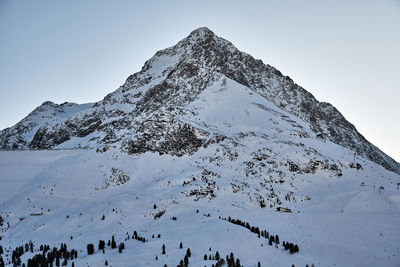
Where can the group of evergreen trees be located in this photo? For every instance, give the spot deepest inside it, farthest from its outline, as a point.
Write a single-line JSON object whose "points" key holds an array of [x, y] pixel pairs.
{"points": [[102, 244], [185, 261], [215, 257], [139, 238], [230, 260], [293, 248], [55, 256]]}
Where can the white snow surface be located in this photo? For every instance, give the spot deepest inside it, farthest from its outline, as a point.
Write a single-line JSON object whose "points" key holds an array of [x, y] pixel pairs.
{"points": [[347, 220], [254, 156]]}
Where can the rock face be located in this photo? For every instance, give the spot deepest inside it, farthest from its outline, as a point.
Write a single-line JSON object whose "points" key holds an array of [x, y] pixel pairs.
{"points": [[155, 109]]}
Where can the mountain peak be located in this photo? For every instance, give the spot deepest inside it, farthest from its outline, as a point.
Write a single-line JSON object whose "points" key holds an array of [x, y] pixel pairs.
{"points": [[201, 33], [202, 37]]}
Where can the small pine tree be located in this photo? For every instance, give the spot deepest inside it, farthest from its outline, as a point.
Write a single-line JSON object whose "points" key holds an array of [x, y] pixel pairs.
{"points": [[259, 264], [163, 249], [101, 245], [291, 248], [90, 249], [188, 253], [113, 243], [106, 263], [180, 245], [186, 260], [287, 246], [217, 256], [121, 247], [205, 257], [154, 206], [276, 239]]}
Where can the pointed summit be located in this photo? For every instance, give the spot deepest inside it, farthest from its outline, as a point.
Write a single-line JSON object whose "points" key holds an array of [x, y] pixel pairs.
{"points": [[201, 32]]}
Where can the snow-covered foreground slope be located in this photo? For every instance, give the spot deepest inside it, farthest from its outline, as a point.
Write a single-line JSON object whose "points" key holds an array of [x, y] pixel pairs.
{"points": [[340, 225]]}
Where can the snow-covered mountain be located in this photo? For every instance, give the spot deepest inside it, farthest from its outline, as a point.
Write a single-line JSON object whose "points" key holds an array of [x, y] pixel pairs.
{"points": [[165, 90], [203, 132]]}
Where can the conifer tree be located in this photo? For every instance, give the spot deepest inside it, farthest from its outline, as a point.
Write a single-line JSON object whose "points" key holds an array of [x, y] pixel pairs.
{"points": [[186, 260], [90, 249], [291, 248], [286, 245], [102, 244], [163, 249], [181, 245], [121, 247], [113, 243]]}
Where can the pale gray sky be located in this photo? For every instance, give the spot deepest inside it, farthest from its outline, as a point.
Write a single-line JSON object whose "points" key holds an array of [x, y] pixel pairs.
{"points": [[343, 52]]}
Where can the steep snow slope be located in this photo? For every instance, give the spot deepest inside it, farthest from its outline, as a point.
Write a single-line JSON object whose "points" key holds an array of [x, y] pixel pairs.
{"points": [[259, 158]]}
